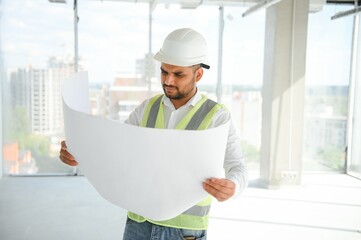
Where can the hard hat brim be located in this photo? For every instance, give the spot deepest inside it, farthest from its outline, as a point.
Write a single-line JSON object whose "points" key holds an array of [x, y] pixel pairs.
{"points": [[177, 62]]}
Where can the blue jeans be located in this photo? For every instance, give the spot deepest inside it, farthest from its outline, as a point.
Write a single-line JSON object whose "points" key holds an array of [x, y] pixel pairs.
{"points": [[149, 231]]}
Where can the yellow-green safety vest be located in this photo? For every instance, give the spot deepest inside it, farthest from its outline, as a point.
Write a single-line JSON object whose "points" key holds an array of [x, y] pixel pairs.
{"points": [[198, 118]]}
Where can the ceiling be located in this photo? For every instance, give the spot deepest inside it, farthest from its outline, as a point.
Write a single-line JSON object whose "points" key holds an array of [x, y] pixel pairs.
{"points": [[227, 2], [315, 5]]}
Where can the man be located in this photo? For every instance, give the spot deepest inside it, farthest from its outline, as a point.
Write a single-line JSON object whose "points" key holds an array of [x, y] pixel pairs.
{"points": [[183, 57]]}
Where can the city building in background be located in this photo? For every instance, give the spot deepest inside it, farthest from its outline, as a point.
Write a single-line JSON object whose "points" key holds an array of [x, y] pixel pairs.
{"points": [[36, 115]]}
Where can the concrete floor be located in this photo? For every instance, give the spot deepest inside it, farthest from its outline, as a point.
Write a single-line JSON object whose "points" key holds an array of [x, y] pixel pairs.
{"points": [[325, 206]]}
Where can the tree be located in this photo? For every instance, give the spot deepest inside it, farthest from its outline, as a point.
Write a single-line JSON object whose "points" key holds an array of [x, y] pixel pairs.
{"points": [[20, 131]]}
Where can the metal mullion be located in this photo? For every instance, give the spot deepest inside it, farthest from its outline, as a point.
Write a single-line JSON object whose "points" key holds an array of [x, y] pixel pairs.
{"points": [[351, 95]]}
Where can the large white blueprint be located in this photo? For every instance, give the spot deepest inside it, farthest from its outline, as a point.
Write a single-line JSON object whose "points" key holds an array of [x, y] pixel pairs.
{"points": [[157, 173]]}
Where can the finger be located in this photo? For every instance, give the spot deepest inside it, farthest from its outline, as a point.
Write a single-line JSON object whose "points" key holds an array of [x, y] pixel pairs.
{"points": [[64, 151], [216, 188], [224, 185], [68, 161], [63, 145], [220, 196], [67, 155], [219, 193], [222, 182]]}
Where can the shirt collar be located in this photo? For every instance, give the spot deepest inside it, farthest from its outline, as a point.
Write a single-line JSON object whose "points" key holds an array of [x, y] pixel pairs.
{"points": [[192, 102]]}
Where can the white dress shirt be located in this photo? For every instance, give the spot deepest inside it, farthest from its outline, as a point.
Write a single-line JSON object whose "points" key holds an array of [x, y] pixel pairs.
{"points": [[234, 166]]}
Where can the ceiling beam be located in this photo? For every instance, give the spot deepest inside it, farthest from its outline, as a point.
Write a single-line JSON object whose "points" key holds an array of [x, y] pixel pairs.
{"points": [[350, 12], [261, 5]]}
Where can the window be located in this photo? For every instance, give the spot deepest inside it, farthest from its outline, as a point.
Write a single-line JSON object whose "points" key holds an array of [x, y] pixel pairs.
{"points": [[327, 83], [114, 47], [242, 77], [34, 35]]}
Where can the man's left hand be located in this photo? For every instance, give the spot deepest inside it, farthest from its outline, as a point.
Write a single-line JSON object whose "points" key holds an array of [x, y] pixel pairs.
{"points": [[220, 188]]}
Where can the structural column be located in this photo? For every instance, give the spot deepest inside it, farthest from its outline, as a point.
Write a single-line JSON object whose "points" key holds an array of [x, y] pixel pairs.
{"points": [[283, 93]]}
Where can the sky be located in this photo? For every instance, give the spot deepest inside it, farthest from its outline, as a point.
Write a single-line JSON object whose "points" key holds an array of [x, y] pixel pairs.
{"points": [[113, 35]]}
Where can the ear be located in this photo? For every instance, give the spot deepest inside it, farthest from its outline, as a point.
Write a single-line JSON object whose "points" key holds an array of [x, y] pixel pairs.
{"points": [[199, 74]]}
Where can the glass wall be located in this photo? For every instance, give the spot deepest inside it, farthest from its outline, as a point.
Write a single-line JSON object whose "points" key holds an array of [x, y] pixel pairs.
{"points": [[327, 83], [113, 43], [37, 54], [113, 48]]}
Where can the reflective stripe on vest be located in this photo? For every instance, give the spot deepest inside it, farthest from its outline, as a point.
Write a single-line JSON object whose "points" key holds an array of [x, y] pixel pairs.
{"points": [[198, 118], [198, 211]]}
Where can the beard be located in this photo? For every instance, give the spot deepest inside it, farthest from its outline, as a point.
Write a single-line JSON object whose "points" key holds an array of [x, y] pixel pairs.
{"points": [[177, 95]]}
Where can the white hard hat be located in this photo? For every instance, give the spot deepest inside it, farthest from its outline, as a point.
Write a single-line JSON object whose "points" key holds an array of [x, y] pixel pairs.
{"points": [[184, 47]]}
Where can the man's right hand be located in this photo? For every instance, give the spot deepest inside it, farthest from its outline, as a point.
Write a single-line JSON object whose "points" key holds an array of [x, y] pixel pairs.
{"points": [[65, 156]]}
